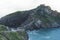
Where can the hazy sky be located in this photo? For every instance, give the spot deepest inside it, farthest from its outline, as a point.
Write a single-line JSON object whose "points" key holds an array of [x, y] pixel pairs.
{"points": [[9, 6]]}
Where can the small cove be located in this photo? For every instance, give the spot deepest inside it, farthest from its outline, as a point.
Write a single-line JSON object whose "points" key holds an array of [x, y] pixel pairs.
{"points": [[45, 34]]}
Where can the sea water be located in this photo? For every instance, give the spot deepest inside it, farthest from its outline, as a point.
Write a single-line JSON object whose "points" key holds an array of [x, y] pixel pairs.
{"points": [[45, 34]]}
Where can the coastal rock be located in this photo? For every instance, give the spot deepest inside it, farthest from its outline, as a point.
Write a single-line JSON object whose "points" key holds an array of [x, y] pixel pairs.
{"points": [[40, 17]]}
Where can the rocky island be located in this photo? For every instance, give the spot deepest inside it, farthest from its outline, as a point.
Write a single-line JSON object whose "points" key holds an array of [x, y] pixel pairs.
{"points": [[40, 17]]}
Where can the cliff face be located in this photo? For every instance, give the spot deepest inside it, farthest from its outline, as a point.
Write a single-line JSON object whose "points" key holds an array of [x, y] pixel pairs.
{"points": [[40, 17]]}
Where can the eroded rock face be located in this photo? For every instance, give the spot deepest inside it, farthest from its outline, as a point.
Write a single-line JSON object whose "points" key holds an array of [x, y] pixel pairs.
{"points": [[40, 17], [5, 34]]}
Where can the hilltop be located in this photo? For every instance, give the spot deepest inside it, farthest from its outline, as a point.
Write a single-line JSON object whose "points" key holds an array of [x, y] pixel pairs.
{"points": [[40, 17]]}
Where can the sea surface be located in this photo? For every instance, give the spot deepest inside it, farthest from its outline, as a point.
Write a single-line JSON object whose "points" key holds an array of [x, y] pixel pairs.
{"points": [[45, 34]]}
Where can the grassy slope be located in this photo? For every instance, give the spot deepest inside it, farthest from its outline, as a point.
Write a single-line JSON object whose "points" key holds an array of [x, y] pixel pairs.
{"points": [[19, 35]]}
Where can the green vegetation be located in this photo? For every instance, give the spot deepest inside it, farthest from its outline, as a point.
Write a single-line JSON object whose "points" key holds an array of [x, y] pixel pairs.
{"points": [[11, 35], [3, 28]]}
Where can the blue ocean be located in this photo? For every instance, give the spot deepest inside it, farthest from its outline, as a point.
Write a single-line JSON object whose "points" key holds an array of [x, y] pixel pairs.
{"points": [[45, 34]]}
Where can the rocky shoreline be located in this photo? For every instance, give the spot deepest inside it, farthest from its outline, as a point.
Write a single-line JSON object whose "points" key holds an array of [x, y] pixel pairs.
{"points": [[40, 17]]}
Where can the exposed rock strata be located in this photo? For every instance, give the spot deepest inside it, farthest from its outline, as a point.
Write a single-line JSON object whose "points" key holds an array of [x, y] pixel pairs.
{"points": [[40, 17]]}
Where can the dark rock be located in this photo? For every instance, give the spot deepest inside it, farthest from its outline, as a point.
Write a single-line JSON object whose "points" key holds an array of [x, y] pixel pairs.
{"points": [[40, 17], [14, 19]]}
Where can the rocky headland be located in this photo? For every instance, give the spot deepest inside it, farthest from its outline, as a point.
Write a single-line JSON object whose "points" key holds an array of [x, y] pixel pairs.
{"points": [[40, 17]]}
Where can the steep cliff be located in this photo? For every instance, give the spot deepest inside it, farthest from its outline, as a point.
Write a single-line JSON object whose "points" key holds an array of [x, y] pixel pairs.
{"points": [[40, 17]]}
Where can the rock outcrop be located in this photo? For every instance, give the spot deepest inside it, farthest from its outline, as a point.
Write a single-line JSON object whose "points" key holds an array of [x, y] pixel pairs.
{"points": [[40, 17]]}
